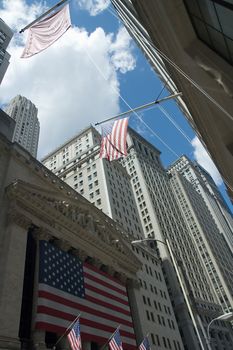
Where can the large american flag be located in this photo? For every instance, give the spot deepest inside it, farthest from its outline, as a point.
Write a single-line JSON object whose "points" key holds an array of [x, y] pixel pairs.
{"points": [[113, 145], [68, 287]]}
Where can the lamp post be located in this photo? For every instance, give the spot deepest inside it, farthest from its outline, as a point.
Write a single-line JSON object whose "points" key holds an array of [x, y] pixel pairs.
{"points": [[225, 317], [188, 303]]}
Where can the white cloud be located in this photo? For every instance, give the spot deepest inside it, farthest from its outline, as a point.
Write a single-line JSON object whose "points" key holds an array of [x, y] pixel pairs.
{"points": [[205, 161], [68, 89], [122, 58], [17, 14], [94, 7]]}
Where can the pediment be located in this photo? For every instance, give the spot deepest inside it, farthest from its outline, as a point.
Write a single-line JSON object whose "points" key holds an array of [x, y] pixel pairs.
{"points": [[75, 220]]}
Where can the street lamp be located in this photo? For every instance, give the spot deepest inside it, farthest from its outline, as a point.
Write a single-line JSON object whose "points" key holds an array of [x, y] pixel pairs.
{"points": [[186, 298], [146, 240], [225, 317]]}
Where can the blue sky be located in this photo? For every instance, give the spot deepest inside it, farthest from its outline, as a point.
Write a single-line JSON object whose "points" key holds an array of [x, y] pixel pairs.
{"points": [[138, 84]]}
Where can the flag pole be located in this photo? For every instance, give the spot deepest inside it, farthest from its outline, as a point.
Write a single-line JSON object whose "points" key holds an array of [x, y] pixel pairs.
{"points": [[44, 14], [141, 107], [103, 347], [70, 325]]}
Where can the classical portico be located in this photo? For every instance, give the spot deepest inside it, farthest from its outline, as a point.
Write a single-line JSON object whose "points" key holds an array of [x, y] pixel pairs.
{"points": [[36, 205]]}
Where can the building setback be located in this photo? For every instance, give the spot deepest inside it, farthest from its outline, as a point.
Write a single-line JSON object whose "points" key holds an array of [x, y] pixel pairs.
{"points": [[5, 38], [203, 183], [27, 128], [213, 248], [108, 186], [162, 218]]}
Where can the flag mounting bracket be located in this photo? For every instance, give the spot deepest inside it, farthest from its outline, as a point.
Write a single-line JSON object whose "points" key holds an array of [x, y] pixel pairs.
{"points": [[142, 107], [44, 14]]}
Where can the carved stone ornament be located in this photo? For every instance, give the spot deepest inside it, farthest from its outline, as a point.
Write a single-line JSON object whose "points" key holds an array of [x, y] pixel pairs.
{"points": [[75, 226]]}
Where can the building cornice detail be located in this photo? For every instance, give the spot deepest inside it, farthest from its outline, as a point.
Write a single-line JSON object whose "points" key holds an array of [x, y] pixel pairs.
{"points": [[67, 220]]}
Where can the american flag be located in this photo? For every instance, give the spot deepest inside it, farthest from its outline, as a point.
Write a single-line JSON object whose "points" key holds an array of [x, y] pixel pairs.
{"points": [[74, 337], [68, 287], [115, 343], [145, 345], [45, 32], [113, 145]]}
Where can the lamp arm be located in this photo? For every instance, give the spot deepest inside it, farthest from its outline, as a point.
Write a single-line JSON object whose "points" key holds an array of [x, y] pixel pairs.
{"points": [[208, 328]]}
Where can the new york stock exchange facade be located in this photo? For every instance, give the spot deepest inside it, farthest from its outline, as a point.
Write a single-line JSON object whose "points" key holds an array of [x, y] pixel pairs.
{"points": [[38, 209]]}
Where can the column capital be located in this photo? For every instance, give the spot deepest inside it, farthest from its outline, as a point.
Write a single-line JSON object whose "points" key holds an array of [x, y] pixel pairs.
{"points": [[40, 233]]}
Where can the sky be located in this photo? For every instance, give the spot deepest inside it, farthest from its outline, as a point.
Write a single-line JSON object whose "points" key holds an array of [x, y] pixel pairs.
{"points": [[94, 71]]}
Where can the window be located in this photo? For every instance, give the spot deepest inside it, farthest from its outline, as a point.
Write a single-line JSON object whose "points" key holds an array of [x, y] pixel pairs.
{"points": [[98, 201], [164, 342]]}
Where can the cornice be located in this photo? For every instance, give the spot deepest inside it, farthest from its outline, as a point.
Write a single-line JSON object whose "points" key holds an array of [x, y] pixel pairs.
{"points": [[76, 225]]}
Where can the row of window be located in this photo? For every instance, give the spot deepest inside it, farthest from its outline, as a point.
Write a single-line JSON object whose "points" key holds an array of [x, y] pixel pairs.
{"points": [[156, 305], [162, 341]]}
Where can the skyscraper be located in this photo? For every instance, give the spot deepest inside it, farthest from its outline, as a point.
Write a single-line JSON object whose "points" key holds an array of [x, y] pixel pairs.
{"points": [[108, 186], [207, 226], [162, 219], [5, 37], [137, 194], [27, 128], [203, 183]]}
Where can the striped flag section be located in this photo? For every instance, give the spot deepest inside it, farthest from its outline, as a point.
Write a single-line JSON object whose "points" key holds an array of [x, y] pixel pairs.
{"points": [[145, 345], [74, 337], [67, 287], [45, 32], [115, 342], [113, 145]]}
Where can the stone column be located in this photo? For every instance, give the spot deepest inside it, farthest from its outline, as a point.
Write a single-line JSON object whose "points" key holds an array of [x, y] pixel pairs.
{"points": [[39, 339], [86, 345], [12, 251], [63, 344], [133, 288]]}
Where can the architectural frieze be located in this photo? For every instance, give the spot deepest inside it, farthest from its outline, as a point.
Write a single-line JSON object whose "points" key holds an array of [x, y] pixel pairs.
{"points": [[75, 226]]}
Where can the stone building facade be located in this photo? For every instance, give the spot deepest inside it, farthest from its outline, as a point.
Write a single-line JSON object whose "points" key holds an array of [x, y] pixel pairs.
{"points": [[35, 206]]}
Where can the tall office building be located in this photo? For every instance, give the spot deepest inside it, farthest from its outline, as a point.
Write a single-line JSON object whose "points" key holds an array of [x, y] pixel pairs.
{"points": [[162, 218], [107, 185], [201, 217], [27, 127], [203, 183], [5, 38], [136, 192]]}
